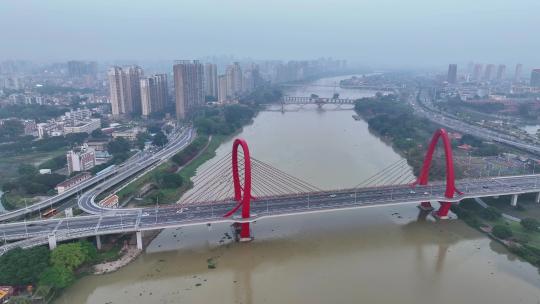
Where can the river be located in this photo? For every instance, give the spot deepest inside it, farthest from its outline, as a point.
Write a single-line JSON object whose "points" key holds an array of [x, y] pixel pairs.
{"points": [[374, 255]]}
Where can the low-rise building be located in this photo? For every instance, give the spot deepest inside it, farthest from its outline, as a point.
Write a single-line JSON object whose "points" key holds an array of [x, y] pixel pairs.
{"points": [[129, 134], [83, 126], [72, 182], [81, 159]]}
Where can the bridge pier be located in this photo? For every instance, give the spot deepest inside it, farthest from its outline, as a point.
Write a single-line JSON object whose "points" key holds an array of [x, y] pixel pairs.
{"points": [[139, 240], [442, 213], [537, 198], [52, 241], [513, 202], [98, 242], [425, 206]]}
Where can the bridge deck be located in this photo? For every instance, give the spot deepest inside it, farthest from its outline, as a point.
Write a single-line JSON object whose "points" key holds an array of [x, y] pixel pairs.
{"points": [[212, 212]]}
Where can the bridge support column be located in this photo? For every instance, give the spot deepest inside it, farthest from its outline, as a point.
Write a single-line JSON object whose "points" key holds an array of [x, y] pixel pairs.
{"points": [[52, 241], [98, 242], [514, 200], [537, 198], [139, 240], [442, 213], [425, 206], [245, 232]]}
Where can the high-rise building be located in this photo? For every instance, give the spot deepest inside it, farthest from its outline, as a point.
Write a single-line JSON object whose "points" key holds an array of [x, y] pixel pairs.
{"points": [[153, 94], [477, 71], [452, 73], [535, 78], [234, 80], [133, 102], [117, 90], [210, 80], [125, 90], [82, 68], [489, 72], [222, 89], [500, 72], [188, 86], [517, 74]]}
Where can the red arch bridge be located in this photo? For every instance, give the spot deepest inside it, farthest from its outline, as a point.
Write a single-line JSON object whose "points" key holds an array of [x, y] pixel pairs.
{"points": [[245, 189]]}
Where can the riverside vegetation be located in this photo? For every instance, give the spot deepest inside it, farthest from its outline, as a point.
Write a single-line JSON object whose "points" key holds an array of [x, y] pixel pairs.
{"points": [[396, 123]]}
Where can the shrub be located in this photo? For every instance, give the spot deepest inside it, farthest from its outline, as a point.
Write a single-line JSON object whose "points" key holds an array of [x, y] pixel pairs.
{"points": [[530, 224], [501, 231], [490, 214]]}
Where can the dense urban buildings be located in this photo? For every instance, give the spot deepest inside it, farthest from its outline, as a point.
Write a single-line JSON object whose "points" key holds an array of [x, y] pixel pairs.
{"points": [[82, 68], [535, 78], [188, 85], [517, 74], [488, 73], [500, 72], [477, 71], [452, 73]]}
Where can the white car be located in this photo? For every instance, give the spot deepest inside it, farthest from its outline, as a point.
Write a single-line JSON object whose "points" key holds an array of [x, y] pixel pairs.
{"points": [[333, 195], [412, 192]]}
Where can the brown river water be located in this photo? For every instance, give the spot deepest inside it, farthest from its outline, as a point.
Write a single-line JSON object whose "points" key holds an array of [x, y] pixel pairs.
{"points": [[373, 255]]}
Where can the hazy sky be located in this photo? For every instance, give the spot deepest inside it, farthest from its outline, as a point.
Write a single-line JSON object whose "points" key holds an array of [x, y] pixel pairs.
{"points": [[402, 32]]}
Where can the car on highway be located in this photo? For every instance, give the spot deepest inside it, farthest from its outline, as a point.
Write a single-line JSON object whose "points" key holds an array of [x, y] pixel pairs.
{"points": [[332, 195]]}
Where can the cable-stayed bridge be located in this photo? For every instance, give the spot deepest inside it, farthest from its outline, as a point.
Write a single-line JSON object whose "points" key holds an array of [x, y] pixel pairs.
{"points": [[240, 189]]}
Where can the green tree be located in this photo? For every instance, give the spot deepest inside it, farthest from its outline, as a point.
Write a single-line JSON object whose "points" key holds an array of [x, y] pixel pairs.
{"points": [[20, 300], [27, 170], [89, 250], [142, 137], [159, 139], [57, 277], [11, 128], [170, 180], [97, 133], [530, 224], [118, 146], [490, 214], [68, 256], [501, 231], [23, 266]]}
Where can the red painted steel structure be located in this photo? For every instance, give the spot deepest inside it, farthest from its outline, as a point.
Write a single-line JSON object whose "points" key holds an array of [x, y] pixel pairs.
{"points": [[450, 178], [242, 194]]}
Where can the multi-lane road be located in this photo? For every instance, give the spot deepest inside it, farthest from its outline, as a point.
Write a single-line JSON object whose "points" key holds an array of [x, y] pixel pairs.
{"points": [[87, 202], [138, 162], [450, 122]]}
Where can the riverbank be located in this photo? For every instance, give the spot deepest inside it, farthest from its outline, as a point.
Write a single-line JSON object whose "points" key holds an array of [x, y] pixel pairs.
{"points": [[519, 234], [166, 183]]}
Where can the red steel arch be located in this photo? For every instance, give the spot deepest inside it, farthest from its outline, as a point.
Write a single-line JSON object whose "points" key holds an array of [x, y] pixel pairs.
{"points": [[242, 194], [450, 177]]}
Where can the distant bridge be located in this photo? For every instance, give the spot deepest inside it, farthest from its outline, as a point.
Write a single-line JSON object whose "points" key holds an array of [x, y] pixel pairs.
{"points": [[286, 100], [356, 87]]}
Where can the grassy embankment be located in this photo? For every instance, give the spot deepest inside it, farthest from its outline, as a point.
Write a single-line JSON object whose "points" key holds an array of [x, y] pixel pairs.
{"points": [[520, 238], [169, 195]]}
